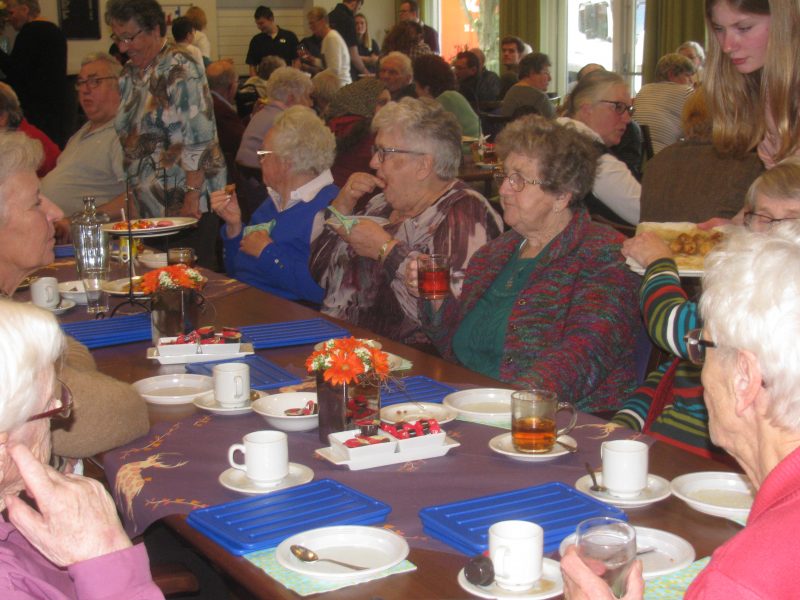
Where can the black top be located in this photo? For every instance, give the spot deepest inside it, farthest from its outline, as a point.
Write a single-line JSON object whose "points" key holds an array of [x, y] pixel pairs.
{"points": [[284, 45], [373, 49], [430, 37], [481, 88], [343, 21]]}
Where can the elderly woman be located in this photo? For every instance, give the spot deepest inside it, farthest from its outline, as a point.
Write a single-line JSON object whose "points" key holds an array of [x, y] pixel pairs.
{"points": [[435, 79], [424, 208], [272, 253], [550, 303], [107, 413], [166, 125], [669, 406], [600, 108], [12, 119], [72, 544], [749, 351]]}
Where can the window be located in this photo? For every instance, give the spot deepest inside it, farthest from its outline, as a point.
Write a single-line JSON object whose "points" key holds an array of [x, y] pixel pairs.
{"points": [[468, 24]]}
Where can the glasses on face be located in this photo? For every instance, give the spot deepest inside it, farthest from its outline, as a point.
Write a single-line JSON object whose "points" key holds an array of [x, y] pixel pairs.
{"points": [[754, 218], [262, 154], [515, 180], [381, 152], [64, 406], [620, 107], [91, 82], [124, 39], [696, 346]]}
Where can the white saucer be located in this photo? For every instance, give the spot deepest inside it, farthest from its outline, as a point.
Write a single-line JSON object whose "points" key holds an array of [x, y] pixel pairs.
{"points": [[413, 411], [551, 574], [481, 403], [672, 553], [236, 480], [65, 306], [657, 489], [502, 444], [209, 402]]}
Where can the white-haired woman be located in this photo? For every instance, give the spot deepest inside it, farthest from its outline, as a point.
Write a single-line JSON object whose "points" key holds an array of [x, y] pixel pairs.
{"points": [[72, 544], [285, 87], [416, 158], [748, 347], [296, 157]]}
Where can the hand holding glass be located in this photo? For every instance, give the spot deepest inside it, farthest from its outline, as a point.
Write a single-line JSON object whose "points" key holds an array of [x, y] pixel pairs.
{"points": [[608, 547]]}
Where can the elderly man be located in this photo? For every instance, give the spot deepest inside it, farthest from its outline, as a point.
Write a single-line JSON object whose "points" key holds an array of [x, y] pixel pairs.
{"points": [[397, 74], [223, 82], [749, 351], [343, 19], [409, 11], [107, 412], [529, 93], [272, 41], [335, 53], [475, 83], [37, 68], [91, 164]]}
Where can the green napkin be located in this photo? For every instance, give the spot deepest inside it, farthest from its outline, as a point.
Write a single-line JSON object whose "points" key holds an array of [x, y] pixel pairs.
{"points": [[268, 227], [347, 222], [674, 585]]}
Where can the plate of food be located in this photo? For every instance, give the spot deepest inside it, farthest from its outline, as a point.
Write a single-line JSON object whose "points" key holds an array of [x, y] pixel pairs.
{"points": [[120, 287], [688, 243], [150, 227]]}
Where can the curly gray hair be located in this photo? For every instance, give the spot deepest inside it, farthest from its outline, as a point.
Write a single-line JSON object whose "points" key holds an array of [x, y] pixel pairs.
{"points": [[301, 138], [287, 82], [18, 153]]}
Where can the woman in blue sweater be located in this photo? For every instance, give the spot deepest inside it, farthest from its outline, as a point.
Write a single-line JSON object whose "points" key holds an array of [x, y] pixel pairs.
{"points": [[272, 252]]}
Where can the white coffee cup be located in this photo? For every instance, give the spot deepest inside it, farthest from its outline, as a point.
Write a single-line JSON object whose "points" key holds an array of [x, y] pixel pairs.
{"points": [[44, 292], [231, 384], [624, 467], [266, 457], [515, 548]]}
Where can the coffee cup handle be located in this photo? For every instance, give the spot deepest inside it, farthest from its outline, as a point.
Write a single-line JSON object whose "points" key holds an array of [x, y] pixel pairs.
{"points": [[570, 407], [499, 562], [238, 386], [231, 451]]}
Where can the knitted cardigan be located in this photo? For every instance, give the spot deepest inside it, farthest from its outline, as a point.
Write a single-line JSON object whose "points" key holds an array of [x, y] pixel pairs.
{"points": [[572, 328]]}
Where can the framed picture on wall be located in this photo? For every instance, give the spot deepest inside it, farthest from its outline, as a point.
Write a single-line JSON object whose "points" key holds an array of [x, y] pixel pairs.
{"points": [[79, 19]]}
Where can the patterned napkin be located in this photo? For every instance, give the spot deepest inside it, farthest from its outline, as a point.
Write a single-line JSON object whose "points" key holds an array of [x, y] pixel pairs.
{"points": [[305, 586], [674, 585], [268, 226]]}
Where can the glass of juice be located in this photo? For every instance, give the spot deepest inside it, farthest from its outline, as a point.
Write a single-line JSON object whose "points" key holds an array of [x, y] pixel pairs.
{"points": [[433, 276], [533, 420]]}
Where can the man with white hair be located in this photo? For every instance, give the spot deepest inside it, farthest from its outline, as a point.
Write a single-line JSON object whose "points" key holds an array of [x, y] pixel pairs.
{"points": [[397, 74]]}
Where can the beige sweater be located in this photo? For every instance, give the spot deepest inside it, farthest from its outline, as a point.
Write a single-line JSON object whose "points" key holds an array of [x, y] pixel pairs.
{"points": [[107, 413]]}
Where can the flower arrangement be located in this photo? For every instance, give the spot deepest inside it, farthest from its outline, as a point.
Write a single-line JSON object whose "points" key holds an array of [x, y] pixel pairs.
{"points": [[346, 360], [174, 277]]}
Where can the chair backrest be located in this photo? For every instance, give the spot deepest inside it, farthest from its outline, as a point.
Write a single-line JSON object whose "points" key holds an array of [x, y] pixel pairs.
{"points": [[648, 142]]}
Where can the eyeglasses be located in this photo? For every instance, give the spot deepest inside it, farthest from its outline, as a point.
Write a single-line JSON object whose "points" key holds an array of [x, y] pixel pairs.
{"points": [[696, 346], [753, 217], [620, 107], [92, 82], [64, 409], [124, 39], [381, 152], [515, 180], [262, 154]]}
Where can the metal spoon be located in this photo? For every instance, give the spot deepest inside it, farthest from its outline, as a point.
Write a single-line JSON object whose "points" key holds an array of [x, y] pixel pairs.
{"points": [[595, 486], [307, 555], [568, 447]]}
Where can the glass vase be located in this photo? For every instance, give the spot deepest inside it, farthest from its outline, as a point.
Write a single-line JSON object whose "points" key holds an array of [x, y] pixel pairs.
{"points": [[332, 403], [174, 312]]}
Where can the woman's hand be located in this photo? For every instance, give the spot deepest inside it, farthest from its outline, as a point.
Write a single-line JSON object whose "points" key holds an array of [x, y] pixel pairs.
{"points": [[580, 583], [357, 185], [254, 243], [227, 207], [367, 237], [646, 248], [76, 520]]}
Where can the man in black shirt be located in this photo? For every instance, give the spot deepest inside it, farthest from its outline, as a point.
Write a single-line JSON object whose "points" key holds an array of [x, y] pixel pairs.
{"points": [[409, 11], [271, 41], [343, 19], [475, 82]]}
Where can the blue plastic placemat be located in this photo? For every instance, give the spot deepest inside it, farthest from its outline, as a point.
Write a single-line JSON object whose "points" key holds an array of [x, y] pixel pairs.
{"points": [[292, 333], [556, 507], [100, 333], [264, 374], [245, 526], [416, 388], [64, 250]]}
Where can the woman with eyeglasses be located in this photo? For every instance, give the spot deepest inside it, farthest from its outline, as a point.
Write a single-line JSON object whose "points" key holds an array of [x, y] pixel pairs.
{"points": [[70, 544], [549, 304], [750, 309], [415, 205], [600, 107], [669, 405]]}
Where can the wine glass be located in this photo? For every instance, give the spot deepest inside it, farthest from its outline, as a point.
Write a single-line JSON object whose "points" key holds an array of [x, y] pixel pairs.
{"points": [[608, 547]]}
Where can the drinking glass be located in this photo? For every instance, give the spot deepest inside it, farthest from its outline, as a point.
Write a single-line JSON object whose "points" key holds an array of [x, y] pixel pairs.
{"points": [[533, 420], [93, 280], [608, 547], [181, 256], [433, 276]]}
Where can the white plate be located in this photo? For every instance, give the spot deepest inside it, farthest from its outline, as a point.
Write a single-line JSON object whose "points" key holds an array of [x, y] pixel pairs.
{"points": [[236, 480], [553, 585], [682, 271], [65, 305], [73, 290], [657, 489], [119, 287], [209, 402], [481, 403], [152, 260], [381, 460], [178, 223], [179, 388], [487, 166], [672, 553], [413, 411], [374, 343], [372, 547], [502, 444], [179, 359], [716, 493]]}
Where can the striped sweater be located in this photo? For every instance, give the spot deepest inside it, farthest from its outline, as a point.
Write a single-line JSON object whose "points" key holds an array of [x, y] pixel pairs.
{"points": [[572, 327]]}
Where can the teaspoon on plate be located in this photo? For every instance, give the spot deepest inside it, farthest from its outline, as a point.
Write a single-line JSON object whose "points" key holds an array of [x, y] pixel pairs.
{"points": [[595, 486], [308, 555]]}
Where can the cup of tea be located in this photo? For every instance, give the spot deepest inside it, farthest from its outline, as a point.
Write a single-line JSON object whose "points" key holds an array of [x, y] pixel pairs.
{"points": [[181, 256], [231, 384], [266, 457], [433, 276], [533, 420], [515, 548], [44, 292], [608, 547], [625, 465]]}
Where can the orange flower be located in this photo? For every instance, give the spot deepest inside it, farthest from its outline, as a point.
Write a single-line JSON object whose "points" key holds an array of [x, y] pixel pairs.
{"points": [[173, 277], [345, 360]]}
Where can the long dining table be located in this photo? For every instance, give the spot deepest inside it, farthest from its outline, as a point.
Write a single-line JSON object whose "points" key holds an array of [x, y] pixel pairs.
{"points": [[437, 564]]}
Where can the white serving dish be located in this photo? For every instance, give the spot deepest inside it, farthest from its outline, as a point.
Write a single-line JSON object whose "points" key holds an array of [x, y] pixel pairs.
{"points": [[73, 290], [343, 452], [421, 443], [370, 461], [193, 356], [273, 408]]}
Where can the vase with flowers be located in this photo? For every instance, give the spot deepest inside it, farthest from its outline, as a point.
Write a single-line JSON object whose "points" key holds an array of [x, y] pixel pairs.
{"points": [[342, 366], [175, 299]]}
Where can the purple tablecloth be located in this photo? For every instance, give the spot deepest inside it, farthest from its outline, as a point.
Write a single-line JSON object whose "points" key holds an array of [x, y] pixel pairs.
{"points": [[174, 469]]}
